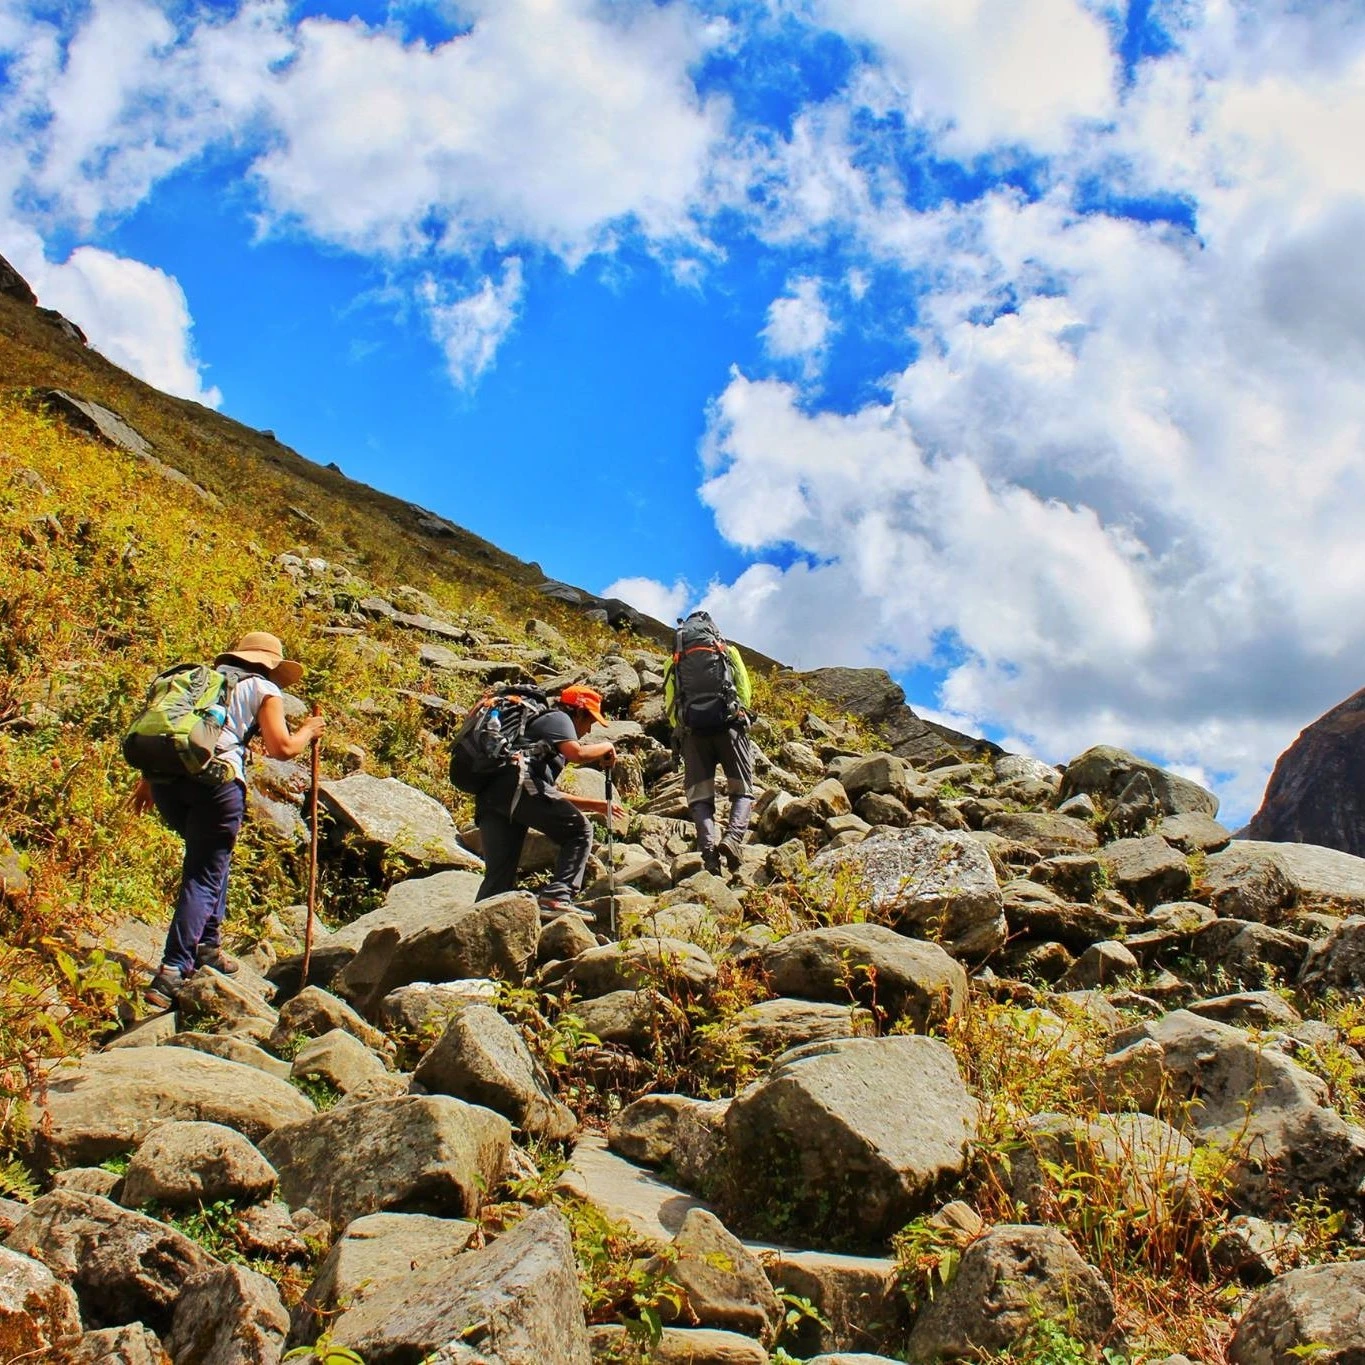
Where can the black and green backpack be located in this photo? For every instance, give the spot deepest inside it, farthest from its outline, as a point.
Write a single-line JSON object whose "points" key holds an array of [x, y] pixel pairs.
{"points": [[177, 733]]}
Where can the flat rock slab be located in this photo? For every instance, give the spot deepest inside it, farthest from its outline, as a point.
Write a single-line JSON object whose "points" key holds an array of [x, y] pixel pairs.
{"points": [[414, 1153], [196, 1163], [108, 1102], [624, 1193], [682, 1346], [516, 1301], [366, 1272], [1320, 876], [393, 817]]}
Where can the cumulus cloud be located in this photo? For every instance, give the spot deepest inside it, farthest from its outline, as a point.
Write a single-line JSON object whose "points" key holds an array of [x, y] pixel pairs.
{"points": [[986, 72], [662, 601], [799, 324], [470, 328], [133, 313]]}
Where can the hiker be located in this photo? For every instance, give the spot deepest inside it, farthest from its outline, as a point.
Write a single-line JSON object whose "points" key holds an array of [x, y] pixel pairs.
{"points": [[523, 795], [207, 811], [707, 694]]}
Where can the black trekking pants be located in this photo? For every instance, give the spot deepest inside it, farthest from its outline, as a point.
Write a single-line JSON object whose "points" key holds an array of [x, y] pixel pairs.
{"points": [[503, 825]]}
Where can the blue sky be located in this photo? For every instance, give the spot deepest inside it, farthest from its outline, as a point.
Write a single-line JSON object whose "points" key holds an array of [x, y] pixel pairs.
{"points": [[1013, 345]]}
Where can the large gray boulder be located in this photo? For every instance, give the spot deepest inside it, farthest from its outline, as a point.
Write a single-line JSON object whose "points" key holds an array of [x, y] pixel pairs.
{"points": [[228, 1315], [636, 963], [1148, 871], [106, 1103], [495, 937], [869, 963], [517, 1302], [1248, 953], [1105, 772], [392, 819], [313, 1012], [1317, 1313], [1005, 1282], [844, 1142], [196, 1163], [1248, 884], [1271, 1115], [483, 1059], [773, 1026], [342, 1063], [936, 883], [365, 1275], [860, 1300], [1050, 832], [420, 1153], [38, 1313], [124, 1266]]}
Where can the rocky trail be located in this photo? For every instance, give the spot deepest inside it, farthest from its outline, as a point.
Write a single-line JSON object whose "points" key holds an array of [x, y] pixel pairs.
{"points": [[972, 1057]]}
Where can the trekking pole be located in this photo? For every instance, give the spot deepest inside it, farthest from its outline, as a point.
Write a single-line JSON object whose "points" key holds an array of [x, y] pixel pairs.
{"points": [[611, 864], [312, 857]]}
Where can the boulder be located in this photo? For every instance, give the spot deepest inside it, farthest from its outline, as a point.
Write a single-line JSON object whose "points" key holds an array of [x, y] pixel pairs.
{"points": [[1254, 1250], [638, 962], [392, 819], [1194, 832], [38, 1313], [722, 1281], [106, 1103], [130, 1345], [1148, 871], [495, 937], [1317, 1313], [676, 1346], [1034, 910], [424, 1008], [1250, 954], [1316, 794], [1050, 832], [617, 681], [1337, 963], [1100, 965], [1272, 1116], [1074, 876], [929, 881], [1321, 878], [844, 1142], [366, 1272], [1105, 772], [517, 1302], [1247, 1009], [1006, 1281], [628, 1018], [212, 1003], [181, 1164], [124, 1266], [419, 1153], [344, 1064], [228, 1316], [643, 1130], [859, 1298], [1248, 885], [773, 1026], [904, 977], [483, 1059], [314, 1011], [231, 1049]]}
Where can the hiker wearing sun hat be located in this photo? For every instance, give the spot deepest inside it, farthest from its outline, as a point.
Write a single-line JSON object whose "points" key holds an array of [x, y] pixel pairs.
{"points": [[207, 810], [524, 796]]}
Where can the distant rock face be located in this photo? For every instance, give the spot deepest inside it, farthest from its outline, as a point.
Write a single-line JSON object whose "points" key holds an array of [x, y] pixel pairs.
{"points": [[1316, 795], [870, 694], [13, 285]]}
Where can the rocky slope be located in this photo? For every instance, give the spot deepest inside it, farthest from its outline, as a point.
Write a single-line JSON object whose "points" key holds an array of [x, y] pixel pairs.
{"points": [[972, 1056]]}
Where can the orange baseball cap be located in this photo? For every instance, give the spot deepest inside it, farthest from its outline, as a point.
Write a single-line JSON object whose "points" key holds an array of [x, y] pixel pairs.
{"points": [[583, 699]]}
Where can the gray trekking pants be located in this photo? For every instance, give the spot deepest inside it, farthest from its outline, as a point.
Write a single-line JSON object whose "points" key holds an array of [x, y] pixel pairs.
{"points": [[701, 754]]}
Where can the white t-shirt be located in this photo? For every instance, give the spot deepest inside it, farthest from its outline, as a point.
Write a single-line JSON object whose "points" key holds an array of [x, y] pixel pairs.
{"points": [[243, 708]]}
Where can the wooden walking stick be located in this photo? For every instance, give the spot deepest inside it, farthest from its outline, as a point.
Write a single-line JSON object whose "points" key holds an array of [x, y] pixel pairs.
{"points": [[312, 856]]}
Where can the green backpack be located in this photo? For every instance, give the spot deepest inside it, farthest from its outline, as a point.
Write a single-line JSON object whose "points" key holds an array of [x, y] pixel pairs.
{"points": [[177, 733]]}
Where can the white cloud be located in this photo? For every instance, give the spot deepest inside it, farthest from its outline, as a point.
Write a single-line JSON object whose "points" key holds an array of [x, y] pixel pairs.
{"points": [[470, 329], [989, 72], [133, 313], [799, 325], [660, 600]]}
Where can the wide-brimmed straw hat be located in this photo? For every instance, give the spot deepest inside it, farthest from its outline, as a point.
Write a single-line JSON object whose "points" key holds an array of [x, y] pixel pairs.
{"points": [[261, 647]]}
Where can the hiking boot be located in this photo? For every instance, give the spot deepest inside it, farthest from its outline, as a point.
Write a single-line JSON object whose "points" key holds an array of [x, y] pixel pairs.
{"points": [[216, 958], [164, 987], [552, 907], [729, 851], [710, 860]]}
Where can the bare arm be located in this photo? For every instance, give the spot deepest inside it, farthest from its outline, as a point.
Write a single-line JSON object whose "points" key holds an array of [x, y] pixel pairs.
{"points": [[578, 752], [279, 742]]}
